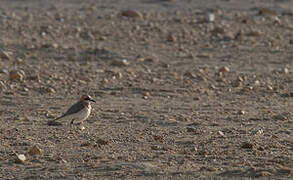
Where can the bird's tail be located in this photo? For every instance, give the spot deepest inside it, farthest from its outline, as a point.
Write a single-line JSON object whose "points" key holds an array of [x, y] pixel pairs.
{"points": [[59, 117], [54, 122]]}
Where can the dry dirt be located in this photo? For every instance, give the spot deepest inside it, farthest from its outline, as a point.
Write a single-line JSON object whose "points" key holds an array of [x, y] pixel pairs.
{"points": [[180, 95]]}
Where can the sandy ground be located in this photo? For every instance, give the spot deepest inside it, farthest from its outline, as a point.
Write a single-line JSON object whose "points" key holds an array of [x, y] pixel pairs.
{"points": [[180, 94]]}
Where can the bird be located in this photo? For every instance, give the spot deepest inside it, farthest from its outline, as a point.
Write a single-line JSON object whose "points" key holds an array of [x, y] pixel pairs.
{"points": [[79, 111]]}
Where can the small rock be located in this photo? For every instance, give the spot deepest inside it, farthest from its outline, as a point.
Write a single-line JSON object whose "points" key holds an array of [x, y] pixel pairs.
{"points": [[118, 75], [255, 33], [16, 75], [283, 116], [269, 87], [273, 43], [24, 118], [54, 123], [256, 82], [237, 83], [102, 142], [51, 90], [2, 86], [87, 35], [131, 13], [260, 131], [262, 174], [55, 45], [85, 144], [105, 81], [224, 69], [204, 55], [35, 77], [247, 145], [241, 112], [286, 70], [35, 150], [267, 12], [210, 17], [5, 55], [189, 74], [247, 88], [276, 20], [3, 71], [218, 30], [20, 158], [239, 78], [102, 38], [146, 94], [120, 63], [221, 133], [285, 170], [171, 38], [149, 60], [156, 147]]}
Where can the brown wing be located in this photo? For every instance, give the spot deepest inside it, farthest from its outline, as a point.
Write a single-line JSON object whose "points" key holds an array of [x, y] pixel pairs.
{"points": [[73, 109]]}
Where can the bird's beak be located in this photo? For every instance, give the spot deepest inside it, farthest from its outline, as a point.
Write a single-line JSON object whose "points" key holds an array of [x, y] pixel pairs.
{"points": [[92, 100]]}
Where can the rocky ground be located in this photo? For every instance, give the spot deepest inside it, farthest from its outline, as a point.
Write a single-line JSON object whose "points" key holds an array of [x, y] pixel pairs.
{"points": [[184, 89]]}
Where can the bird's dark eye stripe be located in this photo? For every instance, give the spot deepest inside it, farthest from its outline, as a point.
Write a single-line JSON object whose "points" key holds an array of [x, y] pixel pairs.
{"points": [[87, 98]]}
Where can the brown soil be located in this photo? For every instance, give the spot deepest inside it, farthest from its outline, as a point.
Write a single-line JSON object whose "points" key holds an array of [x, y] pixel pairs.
{"points": [[179, 95]]}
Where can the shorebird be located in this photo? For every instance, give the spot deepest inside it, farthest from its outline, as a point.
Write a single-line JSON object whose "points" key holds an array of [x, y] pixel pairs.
{"points": [[79, 111]]}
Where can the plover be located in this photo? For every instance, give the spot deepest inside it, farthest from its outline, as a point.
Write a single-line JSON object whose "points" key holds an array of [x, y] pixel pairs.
{"points": [[79, 111]]}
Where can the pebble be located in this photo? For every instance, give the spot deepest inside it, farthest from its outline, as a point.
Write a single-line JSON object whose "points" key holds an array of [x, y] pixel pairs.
{"points": [[102, 142], [241, 112], [54, 123], [218, 30], [269, 87], [247, 145], [51, 90], [35, 150], [5, 55], [20, 158], [131, 13], [120, 63], [286, 70], [3, 71], [221, 133], [267, 12], [255, 33], [256, 82], [224, 69], [55, 45], [171, 38], [2, 86], [211, 17], [16, 75]]}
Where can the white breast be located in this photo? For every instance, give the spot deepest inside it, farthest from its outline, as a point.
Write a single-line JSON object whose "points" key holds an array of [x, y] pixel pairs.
{"points": [[82, 115]]}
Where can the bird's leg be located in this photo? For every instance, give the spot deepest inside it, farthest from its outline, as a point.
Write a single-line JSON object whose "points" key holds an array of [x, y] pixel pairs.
{"points": [[79, 123], [81, 127]]}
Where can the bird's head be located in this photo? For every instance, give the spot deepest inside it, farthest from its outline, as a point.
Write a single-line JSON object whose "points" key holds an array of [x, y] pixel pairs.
{"points": [[87, 98]]}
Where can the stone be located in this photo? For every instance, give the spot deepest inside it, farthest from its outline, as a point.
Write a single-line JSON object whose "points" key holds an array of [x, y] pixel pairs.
{"points": [[20, 158], [131, 13], [35, 150], [16, 75]]}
